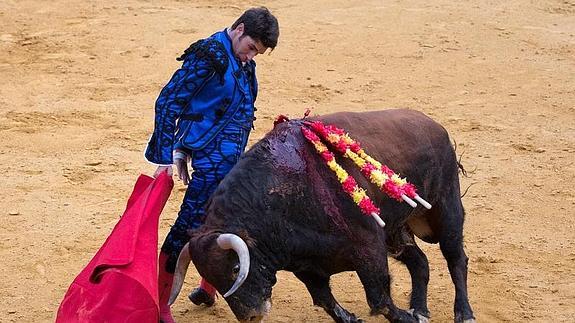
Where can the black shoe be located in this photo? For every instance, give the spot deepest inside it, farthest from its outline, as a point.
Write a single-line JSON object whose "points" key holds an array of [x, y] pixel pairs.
{"points": [[199, 296]]}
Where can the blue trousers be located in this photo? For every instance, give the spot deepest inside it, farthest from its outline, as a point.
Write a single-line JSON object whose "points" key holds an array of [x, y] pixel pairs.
{"points": [[210, 165]]}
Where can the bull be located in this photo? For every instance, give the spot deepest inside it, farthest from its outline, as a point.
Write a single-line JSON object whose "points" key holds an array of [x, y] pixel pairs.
{"points": [[281, 208]]}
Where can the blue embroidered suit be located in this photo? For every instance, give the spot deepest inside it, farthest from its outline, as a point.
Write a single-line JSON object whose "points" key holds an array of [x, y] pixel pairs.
{"points": [[206, 109]]}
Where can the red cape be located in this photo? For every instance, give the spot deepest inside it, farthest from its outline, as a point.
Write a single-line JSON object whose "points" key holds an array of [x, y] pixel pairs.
{"points": [[120, 284]]}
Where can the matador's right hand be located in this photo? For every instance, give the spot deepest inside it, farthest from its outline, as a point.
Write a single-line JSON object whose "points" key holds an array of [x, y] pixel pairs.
{"points": [[163, 168]]}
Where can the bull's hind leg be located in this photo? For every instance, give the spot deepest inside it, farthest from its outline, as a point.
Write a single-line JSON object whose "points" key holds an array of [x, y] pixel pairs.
{"points": [[451, 244], [318, 287], [418, 266]]}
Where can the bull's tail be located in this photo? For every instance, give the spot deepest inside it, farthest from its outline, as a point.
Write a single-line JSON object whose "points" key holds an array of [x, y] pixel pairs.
{"points": [[459, 164], [461, 168]]}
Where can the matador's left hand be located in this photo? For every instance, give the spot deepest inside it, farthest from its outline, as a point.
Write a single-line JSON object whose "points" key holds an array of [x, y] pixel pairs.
{"points": [[181, 161]]}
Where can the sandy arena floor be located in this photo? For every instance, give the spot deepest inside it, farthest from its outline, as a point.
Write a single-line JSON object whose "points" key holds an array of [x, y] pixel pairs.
{"points": [[79, 80]]}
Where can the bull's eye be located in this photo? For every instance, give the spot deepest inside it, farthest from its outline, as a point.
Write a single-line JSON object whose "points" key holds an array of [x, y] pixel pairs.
{"points": [[236, 269]]}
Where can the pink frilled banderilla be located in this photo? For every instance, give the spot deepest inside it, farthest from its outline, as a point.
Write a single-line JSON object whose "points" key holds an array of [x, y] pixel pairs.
{"points": [[387, 180]]}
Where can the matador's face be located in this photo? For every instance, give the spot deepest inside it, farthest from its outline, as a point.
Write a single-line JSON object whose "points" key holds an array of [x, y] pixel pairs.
{"points": [[245, 47]]}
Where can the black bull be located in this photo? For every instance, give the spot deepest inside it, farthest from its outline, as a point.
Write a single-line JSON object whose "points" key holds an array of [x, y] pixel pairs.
{"points": [[291, 212]]}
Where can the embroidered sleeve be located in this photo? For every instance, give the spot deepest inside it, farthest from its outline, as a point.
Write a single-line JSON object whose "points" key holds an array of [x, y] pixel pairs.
{"points": [[201, 62]]}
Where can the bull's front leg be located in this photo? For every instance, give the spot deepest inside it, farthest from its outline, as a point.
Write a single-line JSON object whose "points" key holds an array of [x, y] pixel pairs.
{"points": [[318, 287], [374, 275]]}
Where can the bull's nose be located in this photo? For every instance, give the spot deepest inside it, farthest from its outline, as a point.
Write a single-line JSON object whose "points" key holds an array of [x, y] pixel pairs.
{"points": [[257, 314]]}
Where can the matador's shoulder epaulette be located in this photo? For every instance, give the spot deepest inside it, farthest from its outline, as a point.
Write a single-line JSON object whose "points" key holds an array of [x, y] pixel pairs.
{"points": [[211, 51]]}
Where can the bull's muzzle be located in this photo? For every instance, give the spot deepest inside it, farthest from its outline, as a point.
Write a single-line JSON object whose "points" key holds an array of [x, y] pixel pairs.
{"points": [[258, 314]]}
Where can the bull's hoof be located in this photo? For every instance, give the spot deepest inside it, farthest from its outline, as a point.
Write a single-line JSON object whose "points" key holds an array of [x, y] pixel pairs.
{"points": [[420, 316], [353, 319], [199, 296], [461, 318], [341, 315], [405, 317]]}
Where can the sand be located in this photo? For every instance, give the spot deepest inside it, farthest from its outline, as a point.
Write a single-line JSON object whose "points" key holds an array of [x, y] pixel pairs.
{"points": [[79, 80]]}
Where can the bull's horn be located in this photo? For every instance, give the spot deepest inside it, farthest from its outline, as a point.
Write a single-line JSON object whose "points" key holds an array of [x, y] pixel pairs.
{"points": [[180, 274], [232, 241]]}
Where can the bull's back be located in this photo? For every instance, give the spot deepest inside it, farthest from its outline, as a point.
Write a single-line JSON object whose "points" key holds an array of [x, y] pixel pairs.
{"points": [[398, 134]]}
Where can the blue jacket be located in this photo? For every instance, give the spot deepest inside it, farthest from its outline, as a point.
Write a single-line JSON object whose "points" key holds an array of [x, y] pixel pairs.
{"points": [[201, 98]]}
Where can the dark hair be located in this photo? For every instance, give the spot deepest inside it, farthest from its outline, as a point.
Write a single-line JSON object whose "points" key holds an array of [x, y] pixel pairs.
{"points": [[261, 25]]}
